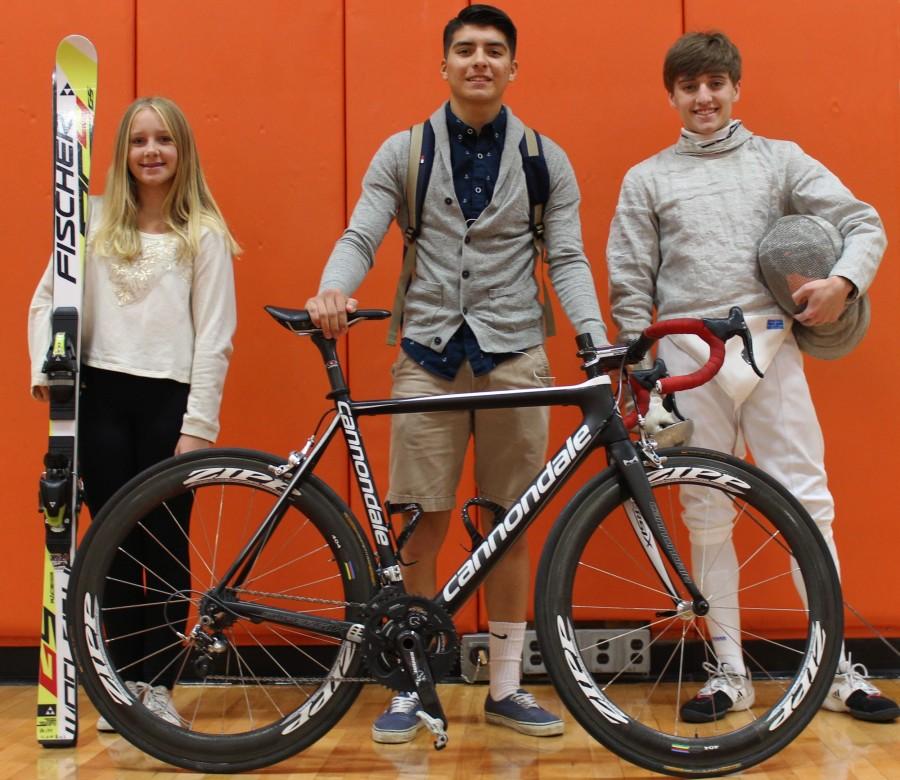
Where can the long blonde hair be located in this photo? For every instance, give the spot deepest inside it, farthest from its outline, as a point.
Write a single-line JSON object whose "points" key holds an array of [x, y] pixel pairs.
{"points": [[189, 205]]}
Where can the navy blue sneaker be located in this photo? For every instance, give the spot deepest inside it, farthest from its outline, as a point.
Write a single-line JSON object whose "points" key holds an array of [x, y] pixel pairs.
{"points": [[399, 722], [521, 712]]}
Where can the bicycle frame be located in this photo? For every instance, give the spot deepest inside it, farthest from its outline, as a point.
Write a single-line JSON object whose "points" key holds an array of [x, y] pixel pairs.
{"points": [[601, 426]]}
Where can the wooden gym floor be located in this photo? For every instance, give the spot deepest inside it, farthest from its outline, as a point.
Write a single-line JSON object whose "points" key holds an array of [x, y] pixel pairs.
{"points": [[833, 747]]}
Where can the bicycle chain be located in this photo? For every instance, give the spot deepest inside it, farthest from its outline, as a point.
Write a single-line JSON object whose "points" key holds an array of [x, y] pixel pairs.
{"points": [[298, 680], [312, 599], [286, 680]]}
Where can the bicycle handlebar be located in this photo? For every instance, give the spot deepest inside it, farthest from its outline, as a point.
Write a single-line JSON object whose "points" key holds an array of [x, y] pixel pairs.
{"points": [[715, 332], [597, 360]]}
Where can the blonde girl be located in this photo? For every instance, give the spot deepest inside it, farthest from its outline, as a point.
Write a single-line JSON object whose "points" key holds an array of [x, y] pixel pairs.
{"points": [[158, 319]]}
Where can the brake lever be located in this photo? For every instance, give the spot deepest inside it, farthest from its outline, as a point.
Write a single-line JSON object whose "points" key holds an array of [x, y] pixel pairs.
{"points": [[735, 325], [747, 351], [649, 377]]}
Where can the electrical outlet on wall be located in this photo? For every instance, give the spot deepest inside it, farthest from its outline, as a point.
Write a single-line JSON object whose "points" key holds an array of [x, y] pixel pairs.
{"points": [[604, 650]]}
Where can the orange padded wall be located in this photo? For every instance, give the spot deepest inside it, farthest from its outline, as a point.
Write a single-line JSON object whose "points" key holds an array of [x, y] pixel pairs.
{"points": [[290, 100]]}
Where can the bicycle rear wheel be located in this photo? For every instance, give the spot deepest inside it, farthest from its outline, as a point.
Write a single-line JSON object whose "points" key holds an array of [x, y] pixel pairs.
{"points": [[244, 694], [625, 657]]}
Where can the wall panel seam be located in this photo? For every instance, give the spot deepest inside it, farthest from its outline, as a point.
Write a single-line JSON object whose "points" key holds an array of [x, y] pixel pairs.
{"points": [[346, 213], [134, 49]]}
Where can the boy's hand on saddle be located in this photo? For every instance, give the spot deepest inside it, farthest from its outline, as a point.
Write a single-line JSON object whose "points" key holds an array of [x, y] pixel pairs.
{"points": [[825, 300], [328, 310]]}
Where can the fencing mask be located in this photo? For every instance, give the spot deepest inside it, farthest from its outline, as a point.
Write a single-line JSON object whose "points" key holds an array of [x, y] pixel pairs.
{"points": [[798, 249]]}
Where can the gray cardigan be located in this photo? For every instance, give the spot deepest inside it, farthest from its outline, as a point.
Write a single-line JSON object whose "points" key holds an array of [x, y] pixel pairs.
{"points": [[689, 220], [486, 269]]}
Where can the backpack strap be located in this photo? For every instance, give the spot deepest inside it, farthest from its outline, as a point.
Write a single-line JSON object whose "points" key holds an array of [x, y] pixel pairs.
{"points": [[537, 178], [418, 173]]}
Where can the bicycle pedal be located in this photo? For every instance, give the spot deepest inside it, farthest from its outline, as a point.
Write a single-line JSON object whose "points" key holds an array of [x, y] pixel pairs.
{"points": [[436, 727]]}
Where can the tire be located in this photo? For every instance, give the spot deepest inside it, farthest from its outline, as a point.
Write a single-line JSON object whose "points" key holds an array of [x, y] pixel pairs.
{"points": [[268, 690], [624, 659]]}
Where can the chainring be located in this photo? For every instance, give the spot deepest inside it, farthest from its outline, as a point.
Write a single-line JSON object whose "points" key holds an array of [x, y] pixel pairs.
{"points": [[391, 614]]}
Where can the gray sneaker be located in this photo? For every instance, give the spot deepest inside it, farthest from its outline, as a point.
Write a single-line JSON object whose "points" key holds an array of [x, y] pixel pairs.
{"points": [[158, 699], [399, 722], [520, 711]]}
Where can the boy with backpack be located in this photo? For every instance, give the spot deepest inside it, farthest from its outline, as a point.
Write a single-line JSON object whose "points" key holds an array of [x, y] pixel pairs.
{"points": [[471, 320]]}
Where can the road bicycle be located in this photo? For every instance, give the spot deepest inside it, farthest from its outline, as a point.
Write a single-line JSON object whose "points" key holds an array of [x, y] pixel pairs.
{"points": [[290, 608]]}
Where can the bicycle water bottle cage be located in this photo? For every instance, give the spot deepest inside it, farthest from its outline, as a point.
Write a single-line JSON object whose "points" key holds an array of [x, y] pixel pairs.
{"points": [[735, 325], [474, 533], [396, 509]]}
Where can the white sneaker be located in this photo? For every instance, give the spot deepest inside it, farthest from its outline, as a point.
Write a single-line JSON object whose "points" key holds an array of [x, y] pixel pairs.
{"points": [[851, 692], [137, 689], [158, 699], [725, 691]]}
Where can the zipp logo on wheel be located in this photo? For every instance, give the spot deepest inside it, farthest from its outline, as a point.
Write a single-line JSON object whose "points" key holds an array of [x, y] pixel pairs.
{"points": [[803, 682], [92, 635], [576, 665], [320, 698], [697, 474]]}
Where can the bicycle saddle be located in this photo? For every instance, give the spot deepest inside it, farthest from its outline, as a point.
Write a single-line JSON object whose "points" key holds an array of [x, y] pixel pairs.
{"points": [[298, 320]]}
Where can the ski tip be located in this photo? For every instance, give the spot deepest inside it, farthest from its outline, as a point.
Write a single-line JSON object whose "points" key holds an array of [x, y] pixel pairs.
{"points": [[80, 42]]}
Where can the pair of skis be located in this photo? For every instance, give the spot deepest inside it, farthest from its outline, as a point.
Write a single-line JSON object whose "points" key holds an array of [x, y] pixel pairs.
{"points": [[74, 99]]}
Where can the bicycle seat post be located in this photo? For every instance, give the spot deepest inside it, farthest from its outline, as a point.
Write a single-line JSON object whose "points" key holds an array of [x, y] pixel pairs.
{"points": [[328, 350]]}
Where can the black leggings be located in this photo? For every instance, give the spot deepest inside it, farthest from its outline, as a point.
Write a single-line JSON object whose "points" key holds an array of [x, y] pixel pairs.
{"points": [[126, 424]]}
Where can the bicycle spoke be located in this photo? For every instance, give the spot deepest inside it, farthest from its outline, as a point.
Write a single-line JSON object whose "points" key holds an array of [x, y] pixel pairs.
{"points": [[623, 578]]}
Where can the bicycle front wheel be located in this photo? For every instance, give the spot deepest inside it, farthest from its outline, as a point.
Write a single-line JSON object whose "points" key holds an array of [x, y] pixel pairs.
{"points": [[626, 657], [206, 688]]}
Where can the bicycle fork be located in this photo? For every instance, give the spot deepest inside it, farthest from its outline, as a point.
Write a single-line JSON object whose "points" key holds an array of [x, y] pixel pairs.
{"points": [[647, 522]]}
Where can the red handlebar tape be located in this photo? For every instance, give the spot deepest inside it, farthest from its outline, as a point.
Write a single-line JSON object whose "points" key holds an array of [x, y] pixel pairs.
{"points": [[673, 384]]}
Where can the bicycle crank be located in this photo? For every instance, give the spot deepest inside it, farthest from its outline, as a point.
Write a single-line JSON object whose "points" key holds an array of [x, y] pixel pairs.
{"points": [[393, 619]]}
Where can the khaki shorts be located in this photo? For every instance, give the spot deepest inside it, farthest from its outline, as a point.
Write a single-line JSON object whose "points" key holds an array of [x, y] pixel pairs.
{"points": [[428, 449]]}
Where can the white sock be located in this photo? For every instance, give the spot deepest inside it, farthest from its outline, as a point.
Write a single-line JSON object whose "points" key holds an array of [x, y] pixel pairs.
{"points": [[716, 573], [505, 647]]}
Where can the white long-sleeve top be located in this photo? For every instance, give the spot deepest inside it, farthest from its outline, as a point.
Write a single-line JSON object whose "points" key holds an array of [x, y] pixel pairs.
{"points": [[689, 220], [159, 316]]}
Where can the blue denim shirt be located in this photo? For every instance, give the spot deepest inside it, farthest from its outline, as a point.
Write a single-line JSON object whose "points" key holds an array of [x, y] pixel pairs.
{"points": [[475, 159]]}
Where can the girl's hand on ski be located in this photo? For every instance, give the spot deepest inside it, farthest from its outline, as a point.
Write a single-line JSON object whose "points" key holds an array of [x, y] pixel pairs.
{"points": [[190, 443], [41, 393]]}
